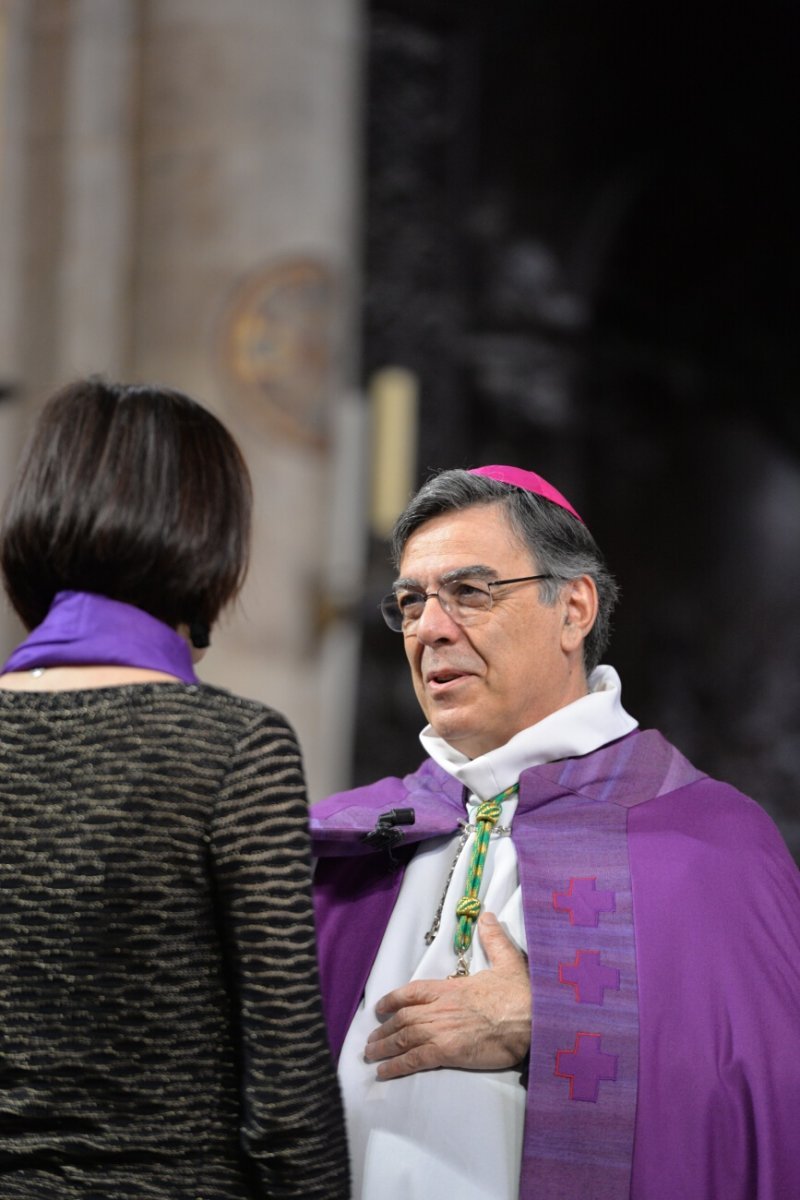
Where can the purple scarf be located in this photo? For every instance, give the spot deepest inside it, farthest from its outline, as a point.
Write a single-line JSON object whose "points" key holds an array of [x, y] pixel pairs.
{"points": [[82, 628]]}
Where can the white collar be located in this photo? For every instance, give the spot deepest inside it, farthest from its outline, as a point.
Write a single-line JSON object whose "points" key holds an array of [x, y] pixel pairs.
{"points": [[579, 728]]}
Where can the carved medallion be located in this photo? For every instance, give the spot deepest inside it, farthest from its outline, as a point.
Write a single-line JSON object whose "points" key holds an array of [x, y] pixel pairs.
{"points": [[278, 347]]}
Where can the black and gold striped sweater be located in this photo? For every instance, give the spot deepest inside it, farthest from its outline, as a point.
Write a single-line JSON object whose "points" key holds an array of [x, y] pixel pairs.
{"points": [[160, 1025]]}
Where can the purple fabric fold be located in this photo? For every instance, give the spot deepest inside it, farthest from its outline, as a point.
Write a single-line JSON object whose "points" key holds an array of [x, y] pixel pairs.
{"points": [[83, 628]]}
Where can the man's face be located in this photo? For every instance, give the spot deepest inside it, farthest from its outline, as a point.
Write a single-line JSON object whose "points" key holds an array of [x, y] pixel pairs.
{"points": [[481, 683]]}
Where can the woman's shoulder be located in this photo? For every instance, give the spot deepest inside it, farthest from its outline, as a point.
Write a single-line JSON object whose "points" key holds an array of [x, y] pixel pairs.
{"points": [[242, 713]]}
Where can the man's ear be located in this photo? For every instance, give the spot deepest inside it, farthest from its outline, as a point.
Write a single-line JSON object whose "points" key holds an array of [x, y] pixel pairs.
{"points": [[579, 601]]}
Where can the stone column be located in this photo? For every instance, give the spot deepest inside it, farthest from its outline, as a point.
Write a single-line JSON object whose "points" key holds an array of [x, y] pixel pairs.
{"points": [[243, 293]]}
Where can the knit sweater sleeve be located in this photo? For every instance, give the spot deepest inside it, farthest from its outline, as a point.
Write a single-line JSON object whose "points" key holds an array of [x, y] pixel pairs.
{"points": [[292, 1128]]}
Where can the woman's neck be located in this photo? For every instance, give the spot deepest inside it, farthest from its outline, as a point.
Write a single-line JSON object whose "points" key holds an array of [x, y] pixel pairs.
{"points": [[79, 678]]}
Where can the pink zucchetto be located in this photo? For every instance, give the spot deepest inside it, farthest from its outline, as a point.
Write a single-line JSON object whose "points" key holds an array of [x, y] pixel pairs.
{"points": [[529, 481]]}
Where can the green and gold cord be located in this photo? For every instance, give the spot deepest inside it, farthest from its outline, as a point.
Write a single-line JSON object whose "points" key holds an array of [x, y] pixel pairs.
{"points": [[468, 908]]}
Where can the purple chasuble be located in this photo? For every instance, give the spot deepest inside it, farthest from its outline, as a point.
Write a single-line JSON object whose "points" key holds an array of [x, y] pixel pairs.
{"points": [[85, 629], [662, 915]]}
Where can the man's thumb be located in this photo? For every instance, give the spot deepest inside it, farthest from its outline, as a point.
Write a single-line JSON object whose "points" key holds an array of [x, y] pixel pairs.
{"points": [[495, 940]]}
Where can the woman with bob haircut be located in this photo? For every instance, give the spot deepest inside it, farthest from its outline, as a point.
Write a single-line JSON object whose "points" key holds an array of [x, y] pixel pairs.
{"points": [[162, 1032]]}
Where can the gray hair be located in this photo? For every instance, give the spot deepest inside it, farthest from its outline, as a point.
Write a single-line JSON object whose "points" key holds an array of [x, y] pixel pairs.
{"points": [[562, 546]]}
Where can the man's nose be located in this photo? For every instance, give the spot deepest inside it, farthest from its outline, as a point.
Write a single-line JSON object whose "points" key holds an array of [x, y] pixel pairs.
{"points": [[435, 624]]}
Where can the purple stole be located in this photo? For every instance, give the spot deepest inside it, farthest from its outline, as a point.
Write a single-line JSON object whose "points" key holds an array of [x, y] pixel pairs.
{"points": [[83, 628]]}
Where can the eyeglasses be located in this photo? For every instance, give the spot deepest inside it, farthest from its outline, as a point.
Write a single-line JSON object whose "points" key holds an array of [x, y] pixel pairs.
{"points": [[464, 600]]}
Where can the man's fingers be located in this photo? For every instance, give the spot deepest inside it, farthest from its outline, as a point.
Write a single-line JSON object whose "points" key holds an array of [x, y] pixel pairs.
{"points": [[421, 991], [422, 1058], [388, 1027], [410, 1049], [387, 1043]]}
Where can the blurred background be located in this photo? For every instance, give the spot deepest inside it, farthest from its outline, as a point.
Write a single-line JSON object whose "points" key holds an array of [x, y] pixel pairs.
{"points": [[385, 237]]}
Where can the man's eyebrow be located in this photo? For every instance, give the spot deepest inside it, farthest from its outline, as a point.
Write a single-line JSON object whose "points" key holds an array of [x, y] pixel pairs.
{"points": [[475, 571]]}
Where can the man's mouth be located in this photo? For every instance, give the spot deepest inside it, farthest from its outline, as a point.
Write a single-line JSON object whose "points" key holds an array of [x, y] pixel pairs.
{"points": [[443, 678]]}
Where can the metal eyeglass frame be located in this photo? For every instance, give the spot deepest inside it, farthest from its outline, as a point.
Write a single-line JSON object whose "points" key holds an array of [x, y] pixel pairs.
{"points": [[393, 615]]}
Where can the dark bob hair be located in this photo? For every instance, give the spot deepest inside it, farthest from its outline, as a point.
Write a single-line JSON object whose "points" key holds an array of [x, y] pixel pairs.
{"points": [[134, 492]]}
